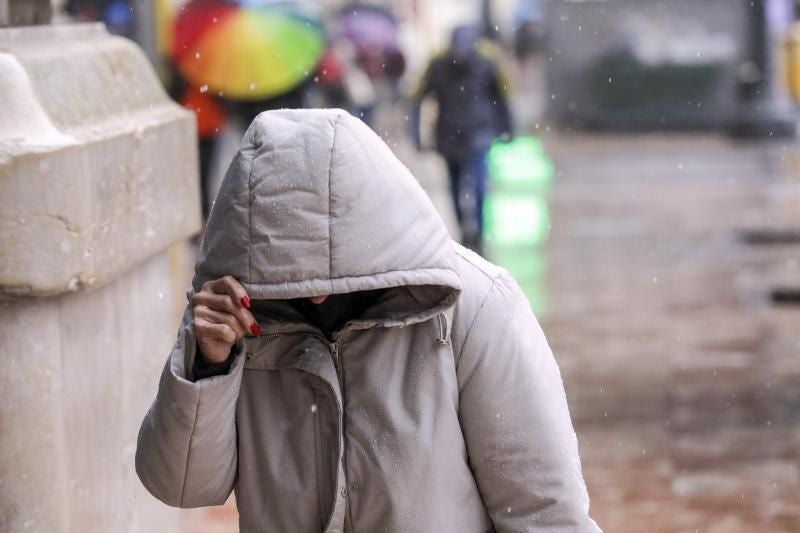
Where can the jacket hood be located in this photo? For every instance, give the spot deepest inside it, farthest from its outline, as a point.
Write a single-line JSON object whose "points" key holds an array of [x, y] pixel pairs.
{"points": [[316, 203]]}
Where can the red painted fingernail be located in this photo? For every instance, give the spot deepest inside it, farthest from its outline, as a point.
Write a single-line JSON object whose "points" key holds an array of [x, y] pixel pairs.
{"points": [[255, 330], [246, 302]]}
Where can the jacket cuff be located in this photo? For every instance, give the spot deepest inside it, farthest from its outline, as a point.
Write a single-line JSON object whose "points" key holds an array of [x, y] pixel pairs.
{"points": [[186, 356], [203, 370]]}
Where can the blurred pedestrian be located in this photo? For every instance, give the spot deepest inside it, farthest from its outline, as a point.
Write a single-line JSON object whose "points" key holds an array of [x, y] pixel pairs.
{"points": [[210, 120], [118, 15], [344, 366], [344, 82], [246, 111], [528, 28], [471, 93]]}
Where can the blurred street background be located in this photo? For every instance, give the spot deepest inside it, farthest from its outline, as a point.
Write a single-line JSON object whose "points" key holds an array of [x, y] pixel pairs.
{"points": [[646, 196]]}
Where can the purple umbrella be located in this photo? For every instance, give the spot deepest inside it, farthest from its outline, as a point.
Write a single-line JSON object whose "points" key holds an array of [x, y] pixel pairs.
{"points": [[373, 32]]}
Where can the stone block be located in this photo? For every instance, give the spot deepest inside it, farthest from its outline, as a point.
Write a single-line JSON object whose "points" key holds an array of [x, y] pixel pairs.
{"points": [[98, 189], [98, 167], [79, 373]]}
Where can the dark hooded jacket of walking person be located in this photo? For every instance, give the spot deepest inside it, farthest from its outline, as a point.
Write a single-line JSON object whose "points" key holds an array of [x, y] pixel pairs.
{"points": [[472, 94], [439, 407]]}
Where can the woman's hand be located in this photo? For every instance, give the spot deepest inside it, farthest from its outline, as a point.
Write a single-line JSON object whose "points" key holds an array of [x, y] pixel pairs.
{"points": [[221, 318]]}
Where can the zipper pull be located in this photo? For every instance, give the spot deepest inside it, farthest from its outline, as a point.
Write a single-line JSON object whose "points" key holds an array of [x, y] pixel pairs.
{"points": [[334, 351]]}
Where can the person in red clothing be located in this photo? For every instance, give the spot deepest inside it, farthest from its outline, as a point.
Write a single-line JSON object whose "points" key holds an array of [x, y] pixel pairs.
{"points": [[210, 121]]}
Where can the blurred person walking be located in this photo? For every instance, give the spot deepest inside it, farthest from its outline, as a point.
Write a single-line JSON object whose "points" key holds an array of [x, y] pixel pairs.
{"points": [[344, 366], [210, 119], [471, 92], [344, 82]]}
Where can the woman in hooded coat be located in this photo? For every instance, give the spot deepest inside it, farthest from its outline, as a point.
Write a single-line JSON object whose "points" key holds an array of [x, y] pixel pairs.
{"points": [[345, 366]]}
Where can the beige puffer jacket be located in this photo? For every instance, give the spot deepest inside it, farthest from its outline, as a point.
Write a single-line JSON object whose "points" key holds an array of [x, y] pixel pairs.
{"points": [[439, 410]]}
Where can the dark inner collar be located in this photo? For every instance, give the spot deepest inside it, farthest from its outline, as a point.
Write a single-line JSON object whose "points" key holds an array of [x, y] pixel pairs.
{"points": [[338, 309]]}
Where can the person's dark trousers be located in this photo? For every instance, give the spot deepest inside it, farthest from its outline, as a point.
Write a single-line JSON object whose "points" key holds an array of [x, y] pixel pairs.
{"points": [[467, 189], [205, 148], [454, 172]]}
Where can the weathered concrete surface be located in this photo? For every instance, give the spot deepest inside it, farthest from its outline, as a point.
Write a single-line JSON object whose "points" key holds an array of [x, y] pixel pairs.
{"points": [[79, 373], [98, 167], [98, 189]]}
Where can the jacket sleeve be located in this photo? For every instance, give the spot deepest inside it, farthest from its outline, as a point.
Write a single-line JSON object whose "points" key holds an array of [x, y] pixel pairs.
{"points": [[522, 448], [424, 86], [186, 453], [423, 89], [501, 90]]}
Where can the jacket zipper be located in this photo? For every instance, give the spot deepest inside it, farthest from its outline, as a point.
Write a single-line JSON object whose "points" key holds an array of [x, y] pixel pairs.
{"points": [[338, 363], [334, 348]]}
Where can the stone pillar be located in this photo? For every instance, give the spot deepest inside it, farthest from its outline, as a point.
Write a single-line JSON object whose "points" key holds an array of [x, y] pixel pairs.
{"points": [[98, 197]]}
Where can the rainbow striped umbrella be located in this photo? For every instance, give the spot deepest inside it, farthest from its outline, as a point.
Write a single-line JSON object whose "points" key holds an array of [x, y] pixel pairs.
{"points": [[247, 49]]}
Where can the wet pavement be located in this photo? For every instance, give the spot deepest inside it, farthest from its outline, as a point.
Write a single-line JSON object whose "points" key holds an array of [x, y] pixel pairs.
{"points": [[681, 366], [636, 485]]}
